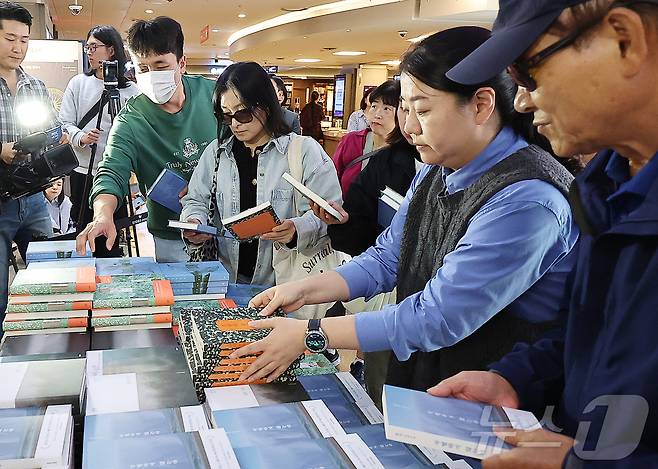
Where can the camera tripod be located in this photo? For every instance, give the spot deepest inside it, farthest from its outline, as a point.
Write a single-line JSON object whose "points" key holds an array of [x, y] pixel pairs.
{"points": [[112, 98]]}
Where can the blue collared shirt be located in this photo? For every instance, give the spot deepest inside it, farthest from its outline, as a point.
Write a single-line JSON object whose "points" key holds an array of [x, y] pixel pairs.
{"points": [[630, 192], [516, 253]]}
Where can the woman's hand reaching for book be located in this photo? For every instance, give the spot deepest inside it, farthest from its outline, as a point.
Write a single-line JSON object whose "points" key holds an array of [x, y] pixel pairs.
{"points": [[276, 351], [289, 297], [330, 219], [283, 233], [194, 237]]}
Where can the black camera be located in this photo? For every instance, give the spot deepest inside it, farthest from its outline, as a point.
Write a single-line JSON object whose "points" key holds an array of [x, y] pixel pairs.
{"points": [[40, 159], [111, 74]]}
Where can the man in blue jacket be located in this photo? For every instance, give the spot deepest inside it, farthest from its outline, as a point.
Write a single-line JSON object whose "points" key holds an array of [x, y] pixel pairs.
{"points": [[587, 70]]}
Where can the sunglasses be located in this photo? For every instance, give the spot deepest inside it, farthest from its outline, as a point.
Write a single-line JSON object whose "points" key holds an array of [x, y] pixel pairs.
{"points": [[520, 71], [243, 116]]}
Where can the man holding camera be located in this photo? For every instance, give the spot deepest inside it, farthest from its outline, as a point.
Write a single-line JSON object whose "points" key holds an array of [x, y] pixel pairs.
{"points": [[27, 218], [168, 126]]}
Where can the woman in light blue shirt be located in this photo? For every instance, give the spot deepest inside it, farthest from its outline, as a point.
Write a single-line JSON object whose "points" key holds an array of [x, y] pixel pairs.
{"points": [[479, 250]]}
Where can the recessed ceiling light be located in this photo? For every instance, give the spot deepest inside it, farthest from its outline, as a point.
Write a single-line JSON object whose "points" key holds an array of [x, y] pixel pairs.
{"points": [[348, 30], [215, 30], [242, 15], [305, 37], [349, 52], [393, 63], [308, 61], [149, 11]]}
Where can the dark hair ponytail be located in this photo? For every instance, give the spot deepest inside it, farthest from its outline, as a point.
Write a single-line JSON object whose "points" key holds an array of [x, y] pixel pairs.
{"points": [[431, 59]]}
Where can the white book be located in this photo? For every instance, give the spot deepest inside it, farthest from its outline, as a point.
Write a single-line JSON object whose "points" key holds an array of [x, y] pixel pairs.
{"points": [[309, 194], [133, 327], [393, 196]]}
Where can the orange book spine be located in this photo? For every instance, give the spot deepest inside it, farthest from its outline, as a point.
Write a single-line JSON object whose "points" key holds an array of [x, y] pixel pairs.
{"points": [[164, 294], [233, 325], [85, 279]]}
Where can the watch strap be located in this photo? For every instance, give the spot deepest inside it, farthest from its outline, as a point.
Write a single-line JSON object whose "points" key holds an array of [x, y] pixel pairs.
{"points": [[313, 324]]}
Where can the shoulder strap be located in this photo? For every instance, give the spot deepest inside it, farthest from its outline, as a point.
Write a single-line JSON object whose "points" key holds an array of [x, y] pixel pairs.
{"points": [[360, 159], [93, 112], [295, 165]]}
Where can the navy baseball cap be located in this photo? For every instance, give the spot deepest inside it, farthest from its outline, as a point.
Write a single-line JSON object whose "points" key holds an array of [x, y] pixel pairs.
{"points": [[518, 25]]}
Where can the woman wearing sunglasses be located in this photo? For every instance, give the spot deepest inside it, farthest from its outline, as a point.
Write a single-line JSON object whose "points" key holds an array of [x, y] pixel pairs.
{"points": [[479, 250], [248, 167]]}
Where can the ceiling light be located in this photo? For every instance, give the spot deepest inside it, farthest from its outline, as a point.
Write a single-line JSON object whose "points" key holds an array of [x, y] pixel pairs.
{"points": [[149, 11], [392, 63], [215, 30], [349, 52], [348, 30], [308, 61], [242, 15]]}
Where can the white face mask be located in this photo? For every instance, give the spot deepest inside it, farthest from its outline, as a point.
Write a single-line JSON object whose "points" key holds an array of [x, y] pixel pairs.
{"points": [[159, 86]]}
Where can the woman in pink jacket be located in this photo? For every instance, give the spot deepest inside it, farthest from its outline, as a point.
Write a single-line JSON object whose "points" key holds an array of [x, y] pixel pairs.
{"points": [[384, 101]]}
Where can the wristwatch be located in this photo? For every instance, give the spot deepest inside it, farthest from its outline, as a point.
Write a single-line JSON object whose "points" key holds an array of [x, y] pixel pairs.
{"points": [[315, 340]]}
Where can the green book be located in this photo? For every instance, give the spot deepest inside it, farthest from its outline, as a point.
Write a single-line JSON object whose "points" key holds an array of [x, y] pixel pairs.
{"points": [[55, 281], [40, 324], [133, 294], [51, 306]]}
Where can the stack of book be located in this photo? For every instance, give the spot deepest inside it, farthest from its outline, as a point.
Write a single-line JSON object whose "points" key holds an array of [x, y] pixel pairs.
{"points": [[37, 437], [242, 293], [50, 300], [42, 383], [208, 338], [103, 429], [39, 251], [388, 205], [132, 303], [190, 281], [202, 305], [137, 379]]}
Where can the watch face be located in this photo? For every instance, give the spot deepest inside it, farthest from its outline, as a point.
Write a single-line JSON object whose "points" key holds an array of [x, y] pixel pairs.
{"points": [[315, 342]]}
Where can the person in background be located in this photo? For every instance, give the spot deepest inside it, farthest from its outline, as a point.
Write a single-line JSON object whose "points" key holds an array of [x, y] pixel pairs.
{"points": [[168, 126], [291, 118], [311, 118], [24, 219], [248, 169], [480, 250], [384, 102], [358, 119], [59, 207], [587, 71], [80, 105], [394, 166]]}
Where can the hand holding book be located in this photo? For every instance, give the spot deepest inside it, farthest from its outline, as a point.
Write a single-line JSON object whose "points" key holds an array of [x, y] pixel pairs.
{"points": [[328, 218], [283, 233], [478, 386], [195, 237]]}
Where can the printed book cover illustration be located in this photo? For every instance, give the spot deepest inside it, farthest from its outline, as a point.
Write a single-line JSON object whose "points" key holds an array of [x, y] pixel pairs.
{"points": [[42, 383], [255, 426], [43, 250], [165, 190], [18, 438], [252, 223], [135, 360], [50, 282], [392, 454], [456, 426], [303, 454], [16, 306], [134, 293], [40, 324], [113, 321]]}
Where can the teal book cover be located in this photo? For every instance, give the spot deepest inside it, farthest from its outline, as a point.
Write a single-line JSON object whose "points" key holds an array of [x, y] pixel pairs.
{"points": [[18, 438], [301, 454], [269, 425], [52, 282], [112, 267], [47, 250], [133, 293]]}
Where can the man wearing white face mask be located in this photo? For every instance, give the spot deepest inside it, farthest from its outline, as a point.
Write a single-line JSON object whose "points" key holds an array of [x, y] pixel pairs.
{"points": [[168, 126]]}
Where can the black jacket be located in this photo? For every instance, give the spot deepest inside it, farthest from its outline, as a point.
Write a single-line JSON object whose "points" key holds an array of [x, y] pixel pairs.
{"points": [[393, 166]]}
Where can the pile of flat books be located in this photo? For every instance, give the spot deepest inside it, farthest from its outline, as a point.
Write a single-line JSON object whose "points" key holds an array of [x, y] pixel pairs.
{"points": [[190, 281], [209, 337], [39, 251], [34, 437], [131, 303], [136, 379], [50, 297]]}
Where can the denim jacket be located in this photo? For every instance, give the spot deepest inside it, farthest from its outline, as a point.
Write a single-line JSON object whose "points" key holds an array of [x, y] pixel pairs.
{"points": [[319, 176]]}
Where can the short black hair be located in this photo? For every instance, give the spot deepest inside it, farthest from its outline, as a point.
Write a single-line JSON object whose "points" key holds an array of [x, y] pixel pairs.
{"points": [[160, 36], [389, 94], [15, 12], [314, 96], [364, 103], [281, 86], [109, 36], [252, 85]]}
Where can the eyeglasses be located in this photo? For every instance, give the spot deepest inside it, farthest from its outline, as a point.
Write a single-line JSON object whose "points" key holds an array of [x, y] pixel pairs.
{"points": [[243, 116], [520, 70], [91, 48]]}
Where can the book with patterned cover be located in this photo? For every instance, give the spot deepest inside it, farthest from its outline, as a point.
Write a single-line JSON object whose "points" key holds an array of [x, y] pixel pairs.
{"points": [[111, 321], [50, 282], [206, 305], [252, 223], [18, 307], [133, 293], [46, 250], [37, 324]]}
